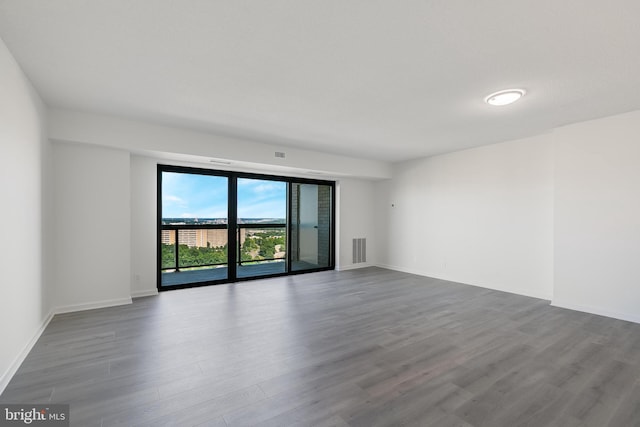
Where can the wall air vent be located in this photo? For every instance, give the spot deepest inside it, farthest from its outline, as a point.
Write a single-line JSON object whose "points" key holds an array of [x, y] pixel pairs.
{"points": [[359, 250]]}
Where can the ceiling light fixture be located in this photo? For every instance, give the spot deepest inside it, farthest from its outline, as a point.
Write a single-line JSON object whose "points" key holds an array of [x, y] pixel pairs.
{"points": [[504, 97]]}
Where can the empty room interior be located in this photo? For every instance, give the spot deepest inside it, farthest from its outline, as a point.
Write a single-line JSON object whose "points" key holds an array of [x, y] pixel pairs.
{"points": [[320, 213]]}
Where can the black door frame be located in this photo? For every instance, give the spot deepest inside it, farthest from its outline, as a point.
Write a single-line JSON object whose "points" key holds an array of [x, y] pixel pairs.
{"points": [[232, 222]]}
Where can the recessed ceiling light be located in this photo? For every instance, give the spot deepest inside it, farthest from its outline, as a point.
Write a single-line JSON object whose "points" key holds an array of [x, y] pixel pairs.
{"points": [[504, 97]]}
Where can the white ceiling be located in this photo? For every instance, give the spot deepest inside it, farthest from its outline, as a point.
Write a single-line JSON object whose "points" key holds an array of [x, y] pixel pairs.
{"points": [[378, 79]]}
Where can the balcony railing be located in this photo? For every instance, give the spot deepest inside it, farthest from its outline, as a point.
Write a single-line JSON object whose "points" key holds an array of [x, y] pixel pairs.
{"points": [[195, 246], [261, 243], [187, 246]]}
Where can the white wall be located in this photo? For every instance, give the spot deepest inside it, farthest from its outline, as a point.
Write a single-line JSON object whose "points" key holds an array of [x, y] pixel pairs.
{"points": [[481, 216], [185, 145], [597, 217], [24, 183], [144, 172], [92, 226], [555, 216], [355, 219]]}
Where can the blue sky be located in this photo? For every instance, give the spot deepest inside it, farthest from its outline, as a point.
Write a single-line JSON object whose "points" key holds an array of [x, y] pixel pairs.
{"points": [[205, 196]]}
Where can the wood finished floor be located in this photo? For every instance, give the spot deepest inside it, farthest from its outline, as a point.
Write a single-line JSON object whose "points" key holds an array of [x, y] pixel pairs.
{"points": [[368, 347]]}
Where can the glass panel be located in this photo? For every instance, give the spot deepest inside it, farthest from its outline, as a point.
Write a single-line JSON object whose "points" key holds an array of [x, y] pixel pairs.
{"points": [[195, 228], [189, 198], [262, 219], [202, 247], [262, 251], [168, 242], [311, 226], [195, 240]]}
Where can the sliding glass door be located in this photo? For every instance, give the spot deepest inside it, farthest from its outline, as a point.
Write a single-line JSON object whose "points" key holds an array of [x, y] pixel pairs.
{"points": [[311, 226], [219, 227], [194, 228], [262, 227]]}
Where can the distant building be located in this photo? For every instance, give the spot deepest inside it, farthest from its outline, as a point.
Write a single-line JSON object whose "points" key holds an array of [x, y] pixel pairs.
{"points": [[168, 237], [200, 237]]}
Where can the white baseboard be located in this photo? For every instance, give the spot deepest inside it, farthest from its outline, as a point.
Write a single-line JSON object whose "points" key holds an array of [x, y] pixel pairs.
{"points": [[597, 310], [144, 293], [92, 305], [17, 362], [449, 279], [353, 266], [403, 270]]}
